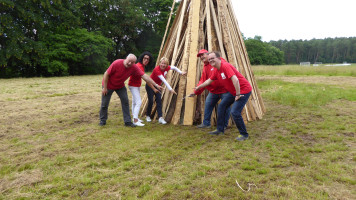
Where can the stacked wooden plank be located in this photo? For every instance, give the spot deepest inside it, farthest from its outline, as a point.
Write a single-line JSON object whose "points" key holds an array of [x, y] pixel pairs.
{"points": [[202, 24]]}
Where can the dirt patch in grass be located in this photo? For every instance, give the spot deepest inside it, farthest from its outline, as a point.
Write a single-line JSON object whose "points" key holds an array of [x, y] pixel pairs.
{"points": [[46, 115], [329, 80], [21, 179]]}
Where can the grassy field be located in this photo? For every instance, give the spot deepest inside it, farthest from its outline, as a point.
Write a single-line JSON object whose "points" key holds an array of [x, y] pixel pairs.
{"points": [[51, 146], [296, 70]]}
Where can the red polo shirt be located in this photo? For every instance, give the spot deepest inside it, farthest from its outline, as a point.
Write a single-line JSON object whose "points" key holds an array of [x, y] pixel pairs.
{"points": [[136, 81], [118, 74], [224, 76], [157, 71], [215, 87]]}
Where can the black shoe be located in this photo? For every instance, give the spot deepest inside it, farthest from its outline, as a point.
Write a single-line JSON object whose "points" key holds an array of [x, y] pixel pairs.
{"points": [[130, 124], [203, 126], [216, 132], [102, 123], [242, 138]]}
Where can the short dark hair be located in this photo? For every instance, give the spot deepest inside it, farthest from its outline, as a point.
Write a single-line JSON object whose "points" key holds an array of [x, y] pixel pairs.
{"points": [[140, 59], [217, 54]]}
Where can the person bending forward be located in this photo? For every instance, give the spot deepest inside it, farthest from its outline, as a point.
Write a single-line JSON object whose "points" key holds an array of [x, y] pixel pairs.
{"points": [[159, 75]]}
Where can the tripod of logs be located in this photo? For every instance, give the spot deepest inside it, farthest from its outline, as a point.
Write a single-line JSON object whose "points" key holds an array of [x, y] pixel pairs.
{"points": [[210, 25]]}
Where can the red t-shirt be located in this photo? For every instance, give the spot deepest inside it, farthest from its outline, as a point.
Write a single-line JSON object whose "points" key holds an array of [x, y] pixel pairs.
{"points": [[224, 76], [118, 74], [157, 71], [136, 81], [215, 87]]}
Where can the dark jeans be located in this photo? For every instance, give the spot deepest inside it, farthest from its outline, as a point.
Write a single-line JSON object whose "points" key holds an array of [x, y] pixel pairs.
{"points": [[105, 100], [236, 110], [211, 100], [150, 94]]}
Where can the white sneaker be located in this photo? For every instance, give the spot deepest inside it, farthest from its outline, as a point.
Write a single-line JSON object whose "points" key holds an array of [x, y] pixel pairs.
{"points": [[133, 120], [148, 119], [161, 121], [138, 123]]}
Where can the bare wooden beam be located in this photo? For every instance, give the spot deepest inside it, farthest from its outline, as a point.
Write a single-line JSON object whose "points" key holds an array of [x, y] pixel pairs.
{"points": [[191, 73]]}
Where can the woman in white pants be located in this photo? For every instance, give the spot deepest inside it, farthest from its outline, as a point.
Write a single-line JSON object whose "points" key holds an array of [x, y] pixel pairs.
{"points": [[135, 82]]}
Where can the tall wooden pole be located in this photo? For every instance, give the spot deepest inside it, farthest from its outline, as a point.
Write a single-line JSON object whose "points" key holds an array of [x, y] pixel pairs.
{"points": [[191, 73]]}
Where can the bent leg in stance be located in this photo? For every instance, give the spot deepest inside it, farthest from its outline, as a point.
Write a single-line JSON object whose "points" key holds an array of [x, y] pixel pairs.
{"points": [[105, 100], [236, 110], [122, 93]]}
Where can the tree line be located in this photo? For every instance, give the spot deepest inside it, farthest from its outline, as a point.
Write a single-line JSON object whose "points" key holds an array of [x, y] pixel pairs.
{"points": [[329, 50], [75, 37]]}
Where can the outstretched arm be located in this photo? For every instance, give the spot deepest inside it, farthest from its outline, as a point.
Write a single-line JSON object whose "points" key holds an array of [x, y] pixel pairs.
{"points": [[150, 82], [167, 84], [206, 83], [178, 70]]}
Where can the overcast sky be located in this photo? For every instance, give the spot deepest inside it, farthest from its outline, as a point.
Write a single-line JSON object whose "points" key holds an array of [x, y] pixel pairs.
{"points": [[296, 19]]}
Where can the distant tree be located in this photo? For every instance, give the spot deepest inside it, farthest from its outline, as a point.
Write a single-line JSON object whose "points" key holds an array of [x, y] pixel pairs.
{"points": [[262, 53], [328, 50], [274, 56]]}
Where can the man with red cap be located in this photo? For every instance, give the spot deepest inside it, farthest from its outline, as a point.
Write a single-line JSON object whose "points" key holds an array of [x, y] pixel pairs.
{"points": [[216, 91], [239, 90]]}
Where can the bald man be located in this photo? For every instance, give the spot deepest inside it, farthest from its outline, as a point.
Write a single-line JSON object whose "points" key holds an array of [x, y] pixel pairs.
{"points": [[114, 81]]}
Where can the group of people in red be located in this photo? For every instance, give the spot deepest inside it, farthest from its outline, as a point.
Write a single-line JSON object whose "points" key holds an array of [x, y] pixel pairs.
{"points": [[219, 77]]}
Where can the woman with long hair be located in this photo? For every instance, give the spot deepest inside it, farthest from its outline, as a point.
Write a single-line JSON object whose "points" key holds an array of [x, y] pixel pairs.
{"points": [[135, 82]]}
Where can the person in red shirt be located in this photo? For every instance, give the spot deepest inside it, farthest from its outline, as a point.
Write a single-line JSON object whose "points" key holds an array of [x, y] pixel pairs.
{"points": [[114, 81], [239, 90], [216, 91], [158, 76], [145, 59]]}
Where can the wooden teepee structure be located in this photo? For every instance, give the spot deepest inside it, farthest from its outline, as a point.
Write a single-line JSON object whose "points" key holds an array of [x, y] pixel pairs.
{"points": [[202, 24]]}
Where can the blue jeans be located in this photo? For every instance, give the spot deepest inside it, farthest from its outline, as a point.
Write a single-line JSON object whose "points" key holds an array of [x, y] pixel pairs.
{"points": [[150, 94], [236, 110], [210, 102]]}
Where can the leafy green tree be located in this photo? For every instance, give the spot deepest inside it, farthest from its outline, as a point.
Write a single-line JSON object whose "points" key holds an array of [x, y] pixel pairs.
{"points": [[45, 38], [77, 52], [262, 53], [42, 38], [24, 26], [274, 56], [156, 14], [119, 20]]}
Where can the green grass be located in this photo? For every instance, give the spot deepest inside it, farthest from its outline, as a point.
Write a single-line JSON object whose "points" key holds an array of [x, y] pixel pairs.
{"points": [[296, 70], [304, 95], [52, 148]]}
